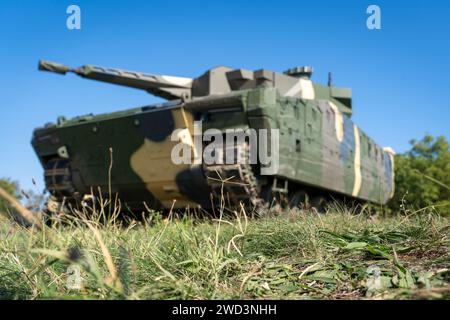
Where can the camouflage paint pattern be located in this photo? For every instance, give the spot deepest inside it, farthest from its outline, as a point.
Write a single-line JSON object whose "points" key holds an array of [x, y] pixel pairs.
{"points": [[320, 146]]}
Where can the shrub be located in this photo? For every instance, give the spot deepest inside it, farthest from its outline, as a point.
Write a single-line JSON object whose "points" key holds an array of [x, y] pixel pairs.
{"points": [[12, 187], [422, 175]]}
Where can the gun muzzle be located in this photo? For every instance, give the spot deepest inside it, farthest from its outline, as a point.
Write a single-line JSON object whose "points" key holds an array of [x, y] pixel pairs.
{"points": [[53, 67]]}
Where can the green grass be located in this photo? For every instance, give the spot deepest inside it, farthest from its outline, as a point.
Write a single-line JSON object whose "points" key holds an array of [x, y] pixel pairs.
{"points": [[295, 255]]}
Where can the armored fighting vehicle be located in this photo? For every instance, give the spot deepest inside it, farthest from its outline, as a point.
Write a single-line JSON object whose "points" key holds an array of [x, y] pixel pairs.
{"points": [[319, 151]]}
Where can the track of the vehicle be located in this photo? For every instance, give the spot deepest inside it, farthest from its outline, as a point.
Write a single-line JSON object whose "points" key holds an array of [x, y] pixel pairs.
{"points": [[235, 183]]}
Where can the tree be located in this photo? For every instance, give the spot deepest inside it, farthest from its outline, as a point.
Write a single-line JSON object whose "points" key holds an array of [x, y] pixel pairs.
{"points": [[12, 187], [422, 175]]}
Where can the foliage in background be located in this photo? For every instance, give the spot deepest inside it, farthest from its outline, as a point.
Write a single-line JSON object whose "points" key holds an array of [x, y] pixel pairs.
{"points": [[422, 175], [12, 187]]}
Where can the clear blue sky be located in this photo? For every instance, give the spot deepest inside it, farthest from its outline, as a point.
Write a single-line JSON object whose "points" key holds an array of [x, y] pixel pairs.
{"points": [[400, 75]]}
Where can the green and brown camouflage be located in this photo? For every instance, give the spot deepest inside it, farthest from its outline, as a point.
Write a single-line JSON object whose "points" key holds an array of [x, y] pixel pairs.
{"points": [[321, 151]]}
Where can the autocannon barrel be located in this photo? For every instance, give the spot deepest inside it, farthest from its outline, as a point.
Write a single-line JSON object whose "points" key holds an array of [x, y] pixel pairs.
{"points": [[167, 87], [53, 67]]}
